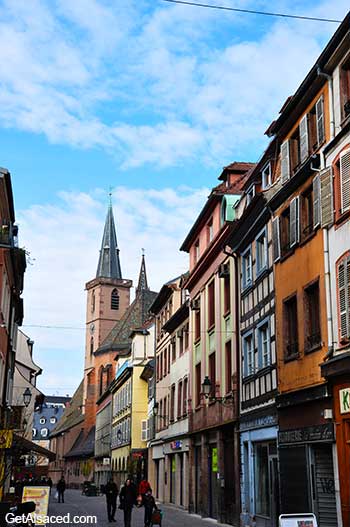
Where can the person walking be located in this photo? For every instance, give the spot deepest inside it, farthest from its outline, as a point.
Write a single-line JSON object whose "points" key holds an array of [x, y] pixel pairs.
{"points": [[127, 499], [150, 506], [111, 490], [61, 487]]}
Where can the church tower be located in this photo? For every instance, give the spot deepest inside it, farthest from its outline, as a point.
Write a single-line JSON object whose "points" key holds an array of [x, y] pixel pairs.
{"points": [[108, 297]]}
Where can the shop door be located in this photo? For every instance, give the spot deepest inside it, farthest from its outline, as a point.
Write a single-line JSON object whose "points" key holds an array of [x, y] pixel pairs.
{"points": [[181, 460], [197, 461], [323, 490], [172, 478], [213, 485]]}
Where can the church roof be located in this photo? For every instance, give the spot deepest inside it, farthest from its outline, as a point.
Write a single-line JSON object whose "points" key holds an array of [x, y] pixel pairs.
{"points": [[84, 445], [136, 314], [109, 263], [72, 414]]}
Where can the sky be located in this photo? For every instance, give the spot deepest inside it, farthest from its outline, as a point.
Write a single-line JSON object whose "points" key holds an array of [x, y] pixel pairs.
{"points": [[148, 100]]}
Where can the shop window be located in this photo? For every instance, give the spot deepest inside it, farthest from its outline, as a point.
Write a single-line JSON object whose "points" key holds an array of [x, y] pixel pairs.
{"points": [[211, 304], [261, 252], [261, 479], [179, 400], [290, 325], [248, 354], [212, 372], [198, 383], [115, 300], [312, 317], [228, 366], [343, 293], [247, 276], [264, 347]]}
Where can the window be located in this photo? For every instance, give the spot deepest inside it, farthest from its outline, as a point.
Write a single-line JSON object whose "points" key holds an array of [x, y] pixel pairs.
{"points": [[307, 213], [285, 161], [316, 125], [172, 403], [211, 304], [285, 231], [53, 420], [290, 324], [227, 294], [179, 400], [42, 420], [93, 300], [186, 330], [345, 88], [264, 350], [210, 230], [266, 176], [168, 352], [165, 363], [180, 335], [161, 365], [228, 366], [343, 291], [91, 345], [196, 251], [198, 383], [248, 354], [173, 349], [247, 268], [250, 193], [261, 252], [345, 182], [34, 432], [184, 396], [44, 432], [115, 299], [197, 324], [212, 373], [312, 317]]}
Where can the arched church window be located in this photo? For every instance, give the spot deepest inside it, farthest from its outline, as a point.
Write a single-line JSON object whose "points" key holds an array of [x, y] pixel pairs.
{"points": [[91, 345], [101, 380], [115, 299], [93, 301]]}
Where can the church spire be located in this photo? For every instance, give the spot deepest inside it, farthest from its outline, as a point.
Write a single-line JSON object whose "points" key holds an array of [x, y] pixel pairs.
{"points": [[142, 284], [109, 263]]}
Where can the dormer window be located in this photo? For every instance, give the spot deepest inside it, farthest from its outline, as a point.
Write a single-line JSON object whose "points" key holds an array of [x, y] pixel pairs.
{"points": [[115, 300], [210, 230], [250, 193], [266, 176], [196, 251]]}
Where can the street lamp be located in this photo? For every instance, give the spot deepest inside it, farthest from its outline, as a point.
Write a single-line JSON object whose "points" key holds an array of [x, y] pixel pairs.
{"points": [[155, 409], [27, 397], [206, 387], [208, 394]]}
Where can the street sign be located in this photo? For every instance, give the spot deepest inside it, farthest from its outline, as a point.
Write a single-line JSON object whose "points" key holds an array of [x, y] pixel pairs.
{"points": [[344, 396], [298, 520], [106, 461]]}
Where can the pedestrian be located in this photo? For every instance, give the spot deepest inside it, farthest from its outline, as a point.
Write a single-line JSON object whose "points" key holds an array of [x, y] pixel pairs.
{"points": [[49, 483], [111, 490], [127, 499], [150, 506], [144, 487], [61, 487]]}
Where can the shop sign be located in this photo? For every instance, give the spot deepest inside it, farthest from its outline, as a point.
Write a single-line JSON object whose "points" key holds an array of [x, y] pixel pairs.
{"points": [[136, 455], [214, 459], [259, 422], [40, 495], [176, 445], [308, 434], [297, 520], [6, 437], [344, 397], [106, 461]]}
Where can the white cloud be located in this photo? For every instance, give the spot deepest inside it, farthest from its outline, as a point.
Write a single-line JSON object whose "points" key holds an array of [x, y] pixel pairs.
{"points": [[185, 83], [64, 241]]}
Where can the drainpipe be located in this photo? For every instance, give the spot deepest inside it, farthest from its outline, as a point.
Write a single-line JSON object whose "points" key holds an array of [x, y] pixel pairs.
{"points": [[331, 99]]}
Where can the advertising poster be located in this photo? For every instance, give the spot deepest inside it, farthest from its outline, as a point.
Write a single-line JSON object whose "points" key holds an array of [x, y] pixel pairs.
{"points": [[297, 520], [40, 495]]}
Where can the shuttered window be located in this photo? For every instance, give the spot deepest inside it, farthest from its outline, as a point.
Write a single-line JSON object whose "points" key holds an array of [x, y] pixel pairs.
{"points": [[304, 139], [344, 297], [326, 195], [285, 162], [294, 222], [320, 121], [276, 241], [316, 189], [345, 181]]}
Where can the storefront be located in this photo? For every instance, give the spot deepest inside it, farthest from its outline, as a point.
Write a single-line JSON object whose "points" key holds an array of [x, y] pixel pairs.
{"points": [[259, 459], [176, 471], [306, 448]]}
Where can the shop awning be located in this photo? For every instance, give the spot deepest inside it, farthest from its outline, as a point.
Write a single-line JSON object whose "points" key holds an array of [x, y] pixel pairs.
{"points": [[21, 445]]}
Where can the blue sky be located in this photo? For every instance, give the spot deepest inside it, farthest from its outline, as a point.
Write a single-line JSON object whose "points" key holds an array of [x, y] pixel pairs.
{"points": [[150, 98]]}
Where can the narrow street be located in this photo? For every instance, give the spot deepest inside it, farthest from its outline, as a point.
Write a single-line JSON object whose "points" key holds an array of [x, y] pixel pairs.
{"points": [[77, 505]]}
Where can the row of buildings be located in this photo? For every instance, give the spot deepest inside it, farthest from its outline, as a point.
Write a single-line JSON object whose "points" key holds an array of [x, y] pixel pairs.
{"points": [[230, 388], [19, 394]]}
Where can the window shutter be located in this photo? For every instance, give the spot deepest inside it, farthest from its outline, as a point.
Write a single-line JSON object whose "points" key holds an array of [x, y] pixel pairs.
{"points": [[320, 120], [276, 239], [294, 221], [260, 350], [144, 430], [285, 162], [345, 181], [304, 139], [326, 194], [344, 298], [316, 188]]}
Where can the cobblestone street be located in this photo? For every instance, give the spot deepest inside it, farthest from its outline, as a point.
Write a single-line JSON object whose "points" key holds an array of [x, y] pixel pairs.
{"points": [[78, 505]]}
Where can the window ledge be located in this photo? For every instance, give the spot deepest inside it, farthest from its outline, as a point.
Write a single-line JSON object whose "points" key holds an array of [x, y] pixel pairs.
{"points": [[292, 357], [247, 289], [262, 274], [308, 237], [311, 349]]}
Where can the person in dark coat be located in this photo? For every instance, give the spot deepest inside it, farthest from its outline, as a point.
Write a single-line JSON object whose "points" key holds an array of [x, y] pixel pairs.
{"points": [[150, 506], [111, 490], [61, 487], [127, 499]]}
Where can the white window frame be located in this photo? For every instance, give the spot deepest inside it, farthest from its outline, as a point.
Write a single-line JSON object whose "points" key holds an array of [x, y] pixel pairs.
{"points": [[266, 176], [247, 280], [248, 355], [260, 268], [262, 362], [250, 193]]}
